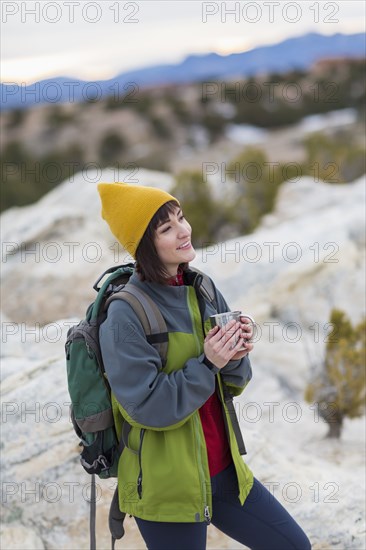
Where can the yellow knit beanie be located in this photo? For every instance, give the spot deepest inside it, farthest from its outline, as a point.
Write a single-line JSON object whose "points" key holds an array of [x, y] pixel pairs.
{"points": [[128, 210]]}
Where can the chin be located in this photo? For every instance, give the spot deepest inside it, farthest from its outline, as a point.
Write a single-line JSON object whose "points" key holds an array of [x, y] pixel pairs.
{"points": [[191, 257], [188, 256]]}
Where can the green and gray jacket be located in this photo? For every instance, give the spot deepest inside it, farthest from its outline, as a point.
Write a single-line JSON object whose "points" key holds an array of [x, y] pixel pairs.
{"points": [[163, 473]]}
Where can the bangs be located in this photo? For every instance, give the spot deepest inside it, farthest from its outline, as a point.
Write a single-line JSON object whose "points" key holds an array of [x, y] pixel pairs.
{"points": [[148, 264], [162, 215]]}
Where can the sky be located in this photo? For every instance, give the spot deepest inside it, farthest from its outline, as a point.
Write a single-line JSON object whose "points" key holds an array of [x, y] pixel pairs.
{"points": [[94, 40]]}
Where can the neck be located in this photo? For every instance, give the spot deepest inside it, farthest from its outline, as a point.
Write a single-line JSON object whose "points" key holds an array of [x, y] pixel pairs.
{"points": [[173, 271], [177, 279]]}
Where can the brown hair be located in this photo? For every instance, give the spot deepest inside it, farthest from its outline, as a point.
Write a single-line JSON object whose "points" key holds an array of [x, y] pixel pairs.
{"points": [[148, 264]]}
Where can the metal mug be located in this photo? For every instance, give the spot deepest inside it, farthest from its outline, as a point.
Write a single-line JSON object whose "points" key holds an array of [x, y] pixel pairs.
{"points": [[221, 319]]}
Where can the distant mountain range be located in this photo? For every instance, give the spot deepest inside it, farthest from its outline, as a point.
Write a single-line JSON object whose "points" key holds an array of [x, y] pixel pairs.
{"points": [[297, 53]]}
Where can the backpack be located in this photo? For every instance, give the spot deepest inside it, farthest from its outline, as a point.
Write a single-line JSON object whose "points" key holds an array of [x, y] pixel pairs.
{"points": [[91, 409]]}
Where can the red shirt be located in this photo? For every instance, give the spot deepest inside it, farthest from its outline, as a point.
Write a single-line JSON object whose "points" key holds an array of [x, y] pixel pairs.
{"points": [[218, 450], [211, 414]]}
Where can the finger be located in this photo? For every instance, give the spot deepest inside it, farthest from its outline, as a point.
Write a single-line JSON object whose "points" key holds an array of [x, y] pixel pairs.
{"points": [[247, 331], [240, 344], [223, 330], [232, 338], [211, 333], [248, 346], [229, 325], [247, 319], [230, 330], [248, 327], [239, 354]]}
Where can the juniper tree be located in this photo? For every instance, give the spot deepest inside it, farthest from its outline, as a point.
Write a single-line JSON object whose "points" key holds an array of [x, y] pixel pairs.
{"points": [[339, 389]]}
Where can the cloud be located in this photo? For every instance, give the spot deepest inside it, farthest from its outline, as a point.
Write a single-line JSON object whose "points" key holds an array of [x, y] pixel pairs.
{"points": [[166, 32], [28, 67]]}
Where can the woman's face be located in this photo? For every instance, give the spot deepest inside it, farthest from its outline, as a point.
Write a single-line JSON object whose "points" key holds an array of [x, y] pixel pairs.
{"points": [[173, 241]]}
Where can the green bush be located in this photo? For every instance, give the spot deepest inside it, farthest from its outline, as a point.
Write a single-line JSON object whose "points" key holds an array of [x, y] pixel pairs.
{"points": [[144, 103], [250, 195], [199, 207], [156, 160], [16, 118], [128, 99], [214, 124], [160, 127], [334, 159], [57, 117], [339, 389], [180, 109], [110, 149], [25, 178], [256, 188], [271, 108]]}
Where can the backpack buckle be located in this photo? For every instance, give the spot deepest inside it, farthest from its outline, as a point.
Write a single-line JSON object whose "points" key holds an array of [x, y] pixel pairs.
{"points": [[100, 464], [114, 288], [103, 462]]}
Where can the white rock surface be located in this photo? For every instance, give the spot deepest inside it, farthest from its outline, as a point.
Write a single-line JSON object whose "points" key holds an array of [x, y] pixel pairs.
{"points": [[11, 536], [321, 482]]}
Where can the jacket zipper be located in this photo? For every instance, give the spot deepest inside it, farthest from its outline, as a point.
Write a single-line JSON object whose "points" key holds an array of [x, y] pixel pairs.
{"points": [[139, 479], [206, 509], [223, 413]]}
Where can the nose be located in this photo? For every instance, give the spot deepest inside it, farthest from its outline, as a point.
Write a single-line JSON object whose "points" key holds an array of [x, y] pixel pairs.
{"points": [[184, 233]]}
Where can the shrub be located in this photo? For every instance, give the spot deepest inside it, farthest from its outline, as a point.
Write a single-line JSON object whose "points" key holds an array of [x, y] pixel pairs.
{"points": [[180, 109], [156, 160], [339, 389], [334, 159], [16, 118], [57, 117], [198, 205], [214, 124], [25, 179], [143, 105], [110, 148], [160, 127], [248, 198], [256, 188]]}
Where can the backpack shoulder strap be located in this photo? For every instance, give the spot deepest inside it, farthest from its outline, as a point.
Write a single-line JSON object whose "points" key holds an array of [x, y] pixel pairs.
{"points": [[149, 315], [207, 287]]}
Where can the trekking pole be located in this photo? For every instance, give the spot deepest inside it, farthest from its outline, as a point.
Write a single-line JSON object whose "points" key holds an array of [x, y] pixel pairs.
{"points": [[92, 514]]}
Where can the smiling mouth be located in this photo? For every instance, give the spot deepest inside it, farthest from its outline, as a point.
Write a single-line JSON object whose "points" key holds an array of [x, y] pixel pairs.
{"points": [[185, 246]]}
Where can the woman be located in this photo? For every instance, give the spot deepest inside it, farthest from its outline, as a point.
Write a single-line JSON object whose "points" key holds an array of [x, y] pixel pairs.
{"points": [[182, 469]]}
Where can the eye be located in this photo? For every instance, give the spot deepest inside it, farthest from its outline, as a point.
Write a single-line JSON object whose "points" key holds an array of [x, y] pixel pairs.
{"points": [[181, 217], [165, 229]]}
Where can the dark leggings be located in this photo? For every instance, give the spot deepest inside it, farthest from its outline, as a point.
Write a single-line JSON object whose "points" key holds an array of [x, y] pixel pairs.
{"points": [[262, 523]]}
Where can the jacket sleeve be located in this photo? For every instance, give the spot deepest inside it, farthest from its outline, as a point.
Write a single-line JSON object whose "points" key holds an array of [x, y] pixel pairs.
{"points": [[236, 374], [146, 397]]}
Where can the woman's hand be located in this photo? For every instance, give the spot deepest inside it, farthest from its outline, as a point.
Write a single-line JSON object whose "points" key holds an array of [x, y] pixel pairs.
{"points": [[219, 345], [247, 332]]}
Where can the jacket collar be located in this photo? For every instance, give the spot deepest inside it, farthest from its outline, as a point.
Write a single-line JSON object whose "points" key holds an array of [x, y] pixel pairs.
{"points": [[168, 293]]}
